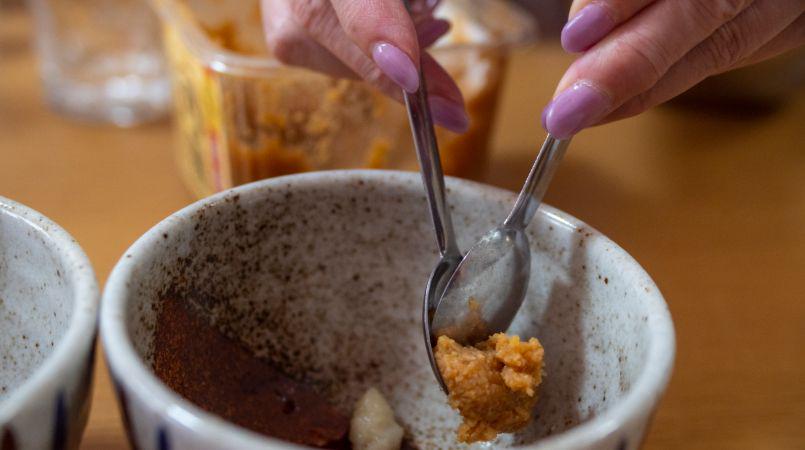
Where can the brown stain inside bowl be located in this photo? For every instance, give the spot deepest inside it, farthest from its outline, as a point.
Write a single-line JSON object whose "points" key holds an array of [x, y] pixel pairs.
{"points": [[221, 376]]}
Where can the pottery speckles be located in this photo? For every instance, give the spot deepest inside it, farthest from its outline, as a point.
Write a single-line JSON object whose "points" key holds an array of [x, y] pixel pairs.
{"points": [[48, 307], [323, 274]]}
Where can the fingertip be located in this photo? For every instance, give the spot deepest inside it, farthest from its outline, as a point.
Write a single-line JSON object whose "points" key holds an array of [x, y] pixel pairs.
{"points": [[430, 30], [449, 114], [396, 65], [439, 80], [574, 109], [586, 28]]}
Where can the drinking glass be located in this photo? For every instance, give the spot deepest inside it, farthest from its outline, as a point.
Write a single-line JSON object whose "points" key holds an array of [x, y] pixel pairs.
{"points": [[101, 60]]}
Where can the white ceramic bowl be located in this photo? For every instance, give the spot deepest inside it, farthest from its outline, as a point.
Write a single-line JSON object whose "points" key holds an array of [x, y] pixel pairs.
{"points": [[48, 308], [343, 257]]}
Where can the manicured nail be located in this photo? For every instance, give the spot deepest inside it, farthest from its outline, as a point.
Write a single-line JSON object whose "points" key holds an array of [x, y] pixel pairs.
{"points": [[396, 65], [449, 114], [576, 108], [430, 30], [586, 28]]}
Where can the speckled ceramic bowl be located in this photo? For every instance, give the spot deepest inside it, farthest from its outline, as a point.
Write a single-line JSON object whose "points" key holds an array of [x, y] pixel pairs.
{"points": [[48, 307], [323, 273]]}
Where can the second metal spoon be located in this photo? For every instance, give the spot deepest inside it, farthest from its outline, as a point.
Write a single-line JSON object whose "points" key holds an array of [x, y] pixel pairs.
{"points": [[484, 294], [433, 179]]}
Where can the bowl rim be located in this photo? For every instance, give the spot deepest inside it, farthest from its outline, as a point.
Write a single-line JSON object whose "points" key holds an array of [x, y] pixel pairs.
{"points": [[122, 357], [80, 335]]}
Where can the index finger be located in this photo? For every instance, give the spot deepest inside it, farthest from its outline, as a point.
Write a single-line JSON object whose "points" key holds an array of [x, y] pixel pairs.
{"points": [[591, 20], [633, 58], [384, 31]]}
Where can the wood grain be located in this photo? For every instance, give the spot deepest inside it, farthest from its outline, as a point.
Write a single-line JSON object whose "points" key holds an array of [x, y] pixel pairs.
{"points": [[712, 206]]}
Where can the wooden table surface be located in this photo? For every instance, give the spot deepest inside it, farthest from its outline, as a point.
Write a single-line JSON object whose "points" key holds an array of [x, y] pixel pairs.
{"points": [[713, 207]]}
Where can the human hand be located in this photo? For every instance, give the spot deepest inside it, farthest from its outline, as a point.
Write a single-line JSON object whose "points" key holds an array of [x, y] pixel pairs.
{"points": [[376, 40], [640, 53]]}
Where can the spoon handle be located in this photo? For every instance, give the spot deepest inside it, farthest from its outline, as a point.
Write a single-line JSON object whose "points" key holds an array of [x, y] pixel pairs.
{"points": [[431, 167], [536, 184]]}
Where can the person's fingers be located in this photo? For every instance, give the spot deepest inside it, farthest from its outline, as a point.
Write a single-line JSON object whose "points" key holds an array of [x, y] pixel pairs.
{"points": [[726, 49], [291, 44], [307, 33], [386, 63], [318, 19], [423, 8], [591, 20], [576, 6], [446, 102], [632, 58], [384, 31], [430, 29], [791, 38]]}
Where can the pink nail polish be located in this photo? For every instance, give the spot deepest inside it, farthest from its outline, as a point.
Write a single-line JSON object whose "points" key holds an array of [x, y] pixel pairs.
{"points": [[396, 65], [449, 114], [576, 108], [586, 28]]}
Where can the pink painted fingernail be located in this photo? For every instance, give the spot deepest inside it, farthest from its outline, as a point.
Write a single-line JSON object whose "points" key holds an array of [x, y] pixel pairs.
{"points": [[449, 114], [576, 108], [586, 28], [396, 65], [430, 30]]}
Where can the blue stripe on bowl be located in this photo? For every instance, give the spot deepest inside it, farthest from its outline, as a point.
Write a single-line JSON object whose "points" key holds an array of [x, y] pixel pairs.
{"points": [[162, 439], [8, 442], [124, 409], [82, 398], [60, 425]]}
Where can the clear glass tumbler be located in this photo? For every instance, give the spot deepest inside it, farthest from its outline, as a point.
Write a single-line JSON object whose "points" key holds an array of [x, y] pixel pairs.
{"points": [[101, 60]]}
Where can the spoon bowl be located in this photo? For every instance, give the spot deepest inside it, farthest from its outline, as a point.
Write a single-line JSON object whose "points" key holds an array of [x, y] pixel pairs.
{"points": [[486, 291]]}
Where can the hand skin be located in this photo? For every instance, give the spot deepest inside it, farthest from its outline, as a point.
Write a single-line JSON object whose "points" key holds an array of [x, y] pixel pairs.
{"points": [[636, 54], [376, 40], [633, 54]]}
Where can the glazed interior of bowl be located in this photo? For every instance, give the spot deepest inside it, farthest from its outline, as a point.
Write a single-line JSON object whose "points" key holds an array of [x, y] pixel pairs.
{"points": [[323, 275], [35, 299]]}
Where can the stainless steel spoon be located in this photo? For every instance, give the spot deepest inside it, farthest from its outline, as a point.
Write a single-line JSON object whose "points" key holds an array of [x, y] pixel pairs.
{"points": [[433, 179], [472, 297], [484, 293]]}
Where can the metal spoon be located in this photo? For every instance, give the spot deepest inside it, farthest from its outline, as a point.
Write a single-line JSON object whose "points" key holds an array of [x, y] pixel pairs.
{"points": [[432, 177], [484, 293]]}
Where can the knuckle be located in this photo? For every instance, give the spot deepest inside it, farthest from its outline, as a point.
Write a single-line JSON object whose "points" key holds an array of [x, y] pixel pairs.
{"points": [[311, 14], [352, 21], [722, 10], [726, 46], [646, 57]]}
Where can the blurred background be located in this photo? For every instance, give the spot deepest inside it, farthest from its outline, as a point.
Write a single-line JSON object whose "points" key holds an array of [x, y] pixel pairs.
{"points": [[113, 114]]}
